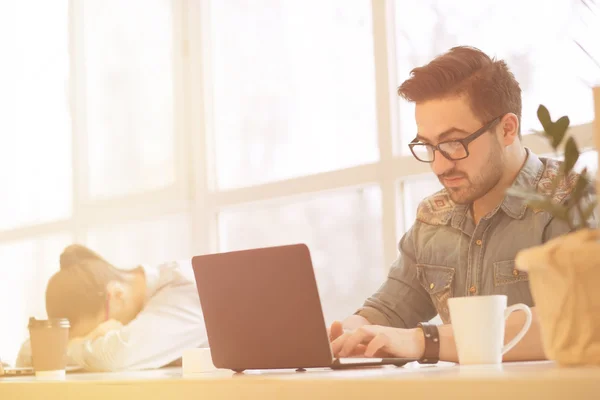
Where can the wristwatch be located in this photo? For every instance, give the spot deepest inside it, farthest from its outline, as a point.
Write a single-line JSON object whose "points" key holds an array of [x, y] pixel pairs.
{"points": [[431, 355]]}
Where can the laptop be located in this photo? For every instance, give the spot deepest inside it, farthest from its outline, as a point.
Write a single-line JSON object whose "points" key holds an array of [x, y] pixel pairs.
{"points": [[262, 311]]}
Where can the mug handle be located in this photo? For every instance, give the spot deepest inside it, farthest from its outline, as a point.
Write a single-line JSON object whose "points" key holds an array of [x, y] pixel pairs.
{"points": [[517, 339]]}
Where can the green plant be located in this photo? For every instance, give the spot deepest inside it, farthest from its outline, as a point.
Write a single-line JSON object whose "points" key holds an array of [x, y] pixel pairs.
{"points": [[574, 211]]}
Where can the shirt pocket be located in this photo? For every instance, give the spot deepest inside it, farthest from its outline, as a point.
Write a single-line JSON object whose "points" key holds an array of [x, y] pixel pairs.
{"points": [[437, 282], [506, 272]]}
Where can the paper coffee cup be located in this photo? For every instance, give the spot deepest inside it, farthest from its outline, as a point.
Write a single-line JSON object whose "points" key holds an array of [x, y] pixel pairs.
{"points": [[49, 339]]}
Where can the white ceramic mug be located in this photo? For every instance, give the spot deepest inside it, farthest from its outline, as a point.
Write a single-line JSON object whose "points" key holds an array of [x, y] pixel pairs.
{"points": [[478, 326]]}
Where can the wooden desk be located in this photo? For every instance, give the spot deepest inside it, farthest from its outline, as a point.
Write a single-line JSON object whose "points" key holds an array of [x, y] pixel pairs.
{"points": [[513, 381]]}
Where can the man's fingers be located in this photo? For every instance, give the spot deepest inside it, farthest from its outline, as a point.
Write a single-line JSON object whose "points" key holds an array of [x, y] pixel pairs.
{"points": [[360, 336], [338, 343], [359, 351], [378, 343]]}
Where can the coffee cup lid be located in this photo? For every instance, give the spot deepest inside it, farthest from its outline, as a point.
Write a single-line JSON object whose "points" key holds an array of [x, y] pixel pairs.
{"points": [[49, 323]]}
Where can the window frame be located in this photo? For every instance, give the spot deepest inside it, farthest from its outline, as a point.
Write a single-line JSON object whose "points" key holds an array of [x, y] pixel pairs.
{"points": [[194, 190]]}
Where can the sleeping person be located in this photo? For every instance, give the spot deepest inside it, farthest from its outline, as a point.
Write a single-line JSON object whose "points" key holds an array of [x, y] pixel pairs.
{"points": [[133, 319]]}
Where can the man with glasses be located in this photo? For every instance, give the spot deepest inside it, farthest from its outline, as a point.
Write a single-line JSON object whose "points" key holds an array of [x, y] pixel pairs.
{"points": [[465, 238]]}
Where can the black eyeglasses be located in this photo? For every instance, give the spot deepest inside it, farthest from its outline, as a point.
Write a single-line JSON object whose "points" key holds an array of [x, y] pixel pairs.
{"points": [[453, 149]]}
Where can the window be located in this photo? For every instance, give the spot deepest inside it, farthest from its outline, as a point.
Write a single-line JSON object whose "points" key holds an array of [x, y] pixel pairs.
{"points": [[35, 158], [35, 152], [304, 100], [26, 267], [589, 160], [151, 241], [116, 60], [129, 95]]}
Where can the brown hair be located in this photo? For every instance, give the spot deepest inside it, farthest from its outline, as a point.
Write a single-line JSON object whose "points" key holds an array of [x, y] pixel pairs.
{"points": [[78, 289], [488, 83]]}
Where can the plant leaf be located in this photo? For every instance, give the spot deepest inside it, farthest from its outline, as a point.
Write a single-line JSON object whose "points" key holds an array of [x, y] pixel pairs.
{"points": [[571, 155], [559, 129], [555, 131], [580, 186], [544, 117]]}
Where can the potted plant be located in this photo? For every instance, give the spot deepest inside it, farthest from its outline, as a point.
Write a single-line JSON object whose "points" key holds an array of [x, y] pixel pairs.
{"points": [[564, 272]]}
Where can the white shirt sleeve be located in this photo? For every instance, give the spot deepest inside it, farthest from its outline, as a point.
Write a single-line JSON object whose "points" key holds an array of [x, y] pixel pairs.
{"points": [[170, 322]]}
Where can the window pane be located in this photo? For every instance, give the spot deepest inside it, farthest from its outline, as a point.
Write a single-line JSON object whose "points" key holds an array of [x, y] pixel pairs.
{"points": [[152, 241], [415, 190], [35, 138], [26, 267], [550, 67], [588, 159], [294, 89], [129, 86], [342, 230]]}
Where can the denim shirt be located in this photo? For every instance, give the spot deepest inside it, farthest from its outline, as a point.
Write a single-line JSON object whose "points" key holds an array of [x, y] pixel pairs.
{"points": [[445, 254]]}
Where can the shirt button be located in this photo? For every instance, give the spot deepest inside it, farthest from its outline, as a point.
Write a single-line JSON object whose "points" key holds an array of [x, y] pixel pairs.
{"points": [[478, 242], [515, 272], [432, 286], [472, 289]]}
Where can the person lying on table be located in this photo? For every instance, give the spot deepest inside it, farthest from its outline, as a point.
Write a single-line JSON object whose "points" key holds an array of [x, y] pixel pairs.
{"points": [[466, 236], [123, 319]]}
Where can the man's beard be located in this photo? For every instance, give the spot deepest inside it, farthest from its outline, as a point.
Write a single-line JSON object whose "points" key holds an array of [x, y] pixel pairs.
{"points": [[478, 185]]}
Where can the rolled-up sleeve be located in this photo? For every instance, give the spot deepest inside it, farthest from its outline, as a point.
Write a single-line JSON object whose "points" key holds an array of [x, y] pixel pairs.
{"points": [[401, 301]]}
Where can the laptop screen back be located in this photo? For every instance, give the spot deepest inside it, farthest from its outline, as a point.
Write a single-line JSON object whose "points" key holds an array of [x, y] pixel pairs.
{"points": [[262, 308]]}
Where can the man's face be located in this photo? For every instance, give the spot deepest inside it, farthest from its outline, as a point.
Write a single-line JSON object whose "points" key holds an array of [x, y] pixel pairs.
{"points": [[449, 119]]}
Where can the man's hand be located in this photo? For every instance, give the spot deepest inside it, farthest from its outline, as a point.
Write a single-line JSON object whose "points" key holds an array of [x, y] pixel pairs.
{"points": [[352, 322], [379, 341], [103, 329]]}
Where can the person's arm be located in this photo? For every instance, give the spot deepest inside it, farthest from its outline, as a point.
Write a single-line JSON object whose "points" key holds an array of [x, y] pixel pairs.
{"points": [[401, 301], [24, 358], [375, 340], [170, 323]]}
